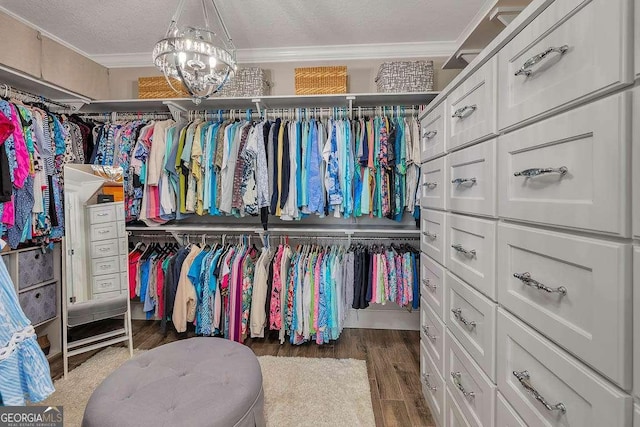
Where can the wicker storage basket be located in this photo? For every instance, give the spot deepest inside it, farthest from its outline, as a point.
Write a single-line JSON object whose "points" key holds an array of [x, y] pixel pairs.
{"points": [[247, 82], [405, 76], [157, 87], [321, 80]]}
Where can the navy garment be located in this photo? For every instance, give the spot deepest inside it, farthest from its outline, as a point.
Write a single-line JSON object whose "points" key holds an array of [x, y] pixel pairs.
{"points": [[286, 167], [275, 194]]}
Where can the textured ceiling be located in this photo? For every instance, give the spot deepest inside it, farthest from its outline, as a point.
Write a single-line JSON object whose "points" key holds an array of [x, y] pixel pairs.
{"points": [[98, 27]]}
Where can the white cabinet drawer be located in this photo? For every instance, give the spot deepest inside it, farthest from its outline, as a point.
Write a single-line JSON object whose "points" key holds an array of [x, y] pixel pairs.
{"points": [[471, 108], [434, 185], [432, 234], [562, 381], [432, 137], [104, 248], [470, 387], [108, 265], [471, 111], [106, 283], [433, 386], [574, 290], [432, 280], [506, 416], [122, 229], [635, 150], [592, 143], [101, 214], [432, 332], [122, 247], [471, 318], [106, 295], [472, 179], [594, 62], [471, 251], [453, 416], [636, 320], [104, 231]]}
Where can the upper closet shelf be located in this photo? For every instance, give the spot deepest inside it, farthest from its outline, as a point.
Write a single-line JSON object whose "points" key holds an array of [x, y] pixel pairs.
{"points": [[494, 16], [270, 102], [294, 230]]}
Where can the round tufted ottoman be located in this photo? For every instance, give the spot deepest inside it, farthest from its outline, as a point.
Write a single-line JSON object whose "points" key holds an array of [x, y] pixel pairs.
{"points": [[194, 382]]}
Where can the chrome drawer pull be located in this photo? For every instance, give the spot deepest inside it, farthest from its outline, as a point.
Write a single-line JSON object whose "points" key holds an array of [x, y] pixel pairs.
{"points": [[465, 111], [468, 253], [455, 376], [459, 181], [457, 312], [425, 378], [529, 281], [425, 329], [429, 235], [429, 285], [430, 185], [530, 173], [430, 134], [526, 67], [102, 214], [524, 378], [104, 231]]}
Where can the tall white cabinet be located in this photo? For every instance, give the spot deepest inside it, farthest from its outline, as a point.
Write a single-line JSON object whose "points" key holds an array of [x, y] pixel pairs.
{"points": [[531, 225]]}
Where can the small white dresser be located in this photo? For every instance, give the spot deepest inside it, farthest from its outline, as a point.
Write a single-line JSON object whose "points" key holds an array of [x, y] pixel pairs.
{"points": [[107, 238]]}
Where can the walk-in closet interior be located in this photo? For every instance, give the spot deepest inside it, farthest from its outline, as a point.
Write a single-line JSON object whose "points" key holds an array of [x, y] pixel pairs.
{"points": [[283, 213]]}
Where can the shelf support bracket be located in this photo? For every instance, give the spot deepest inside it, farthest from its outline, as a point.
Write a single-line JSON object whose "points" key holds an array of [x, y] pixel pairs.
{"points": [[351, 99], [258, 103], [75, 104], [175, 109]]}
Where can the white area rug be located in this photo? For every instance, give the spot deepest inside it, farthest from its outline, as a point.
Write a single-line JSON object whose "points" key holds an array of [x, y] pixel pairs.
{"points": [[298, 391]]}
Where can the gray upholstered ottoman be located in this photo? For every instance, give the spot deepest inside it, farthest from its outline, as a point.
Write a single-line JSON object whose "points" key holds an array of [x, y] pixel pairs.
{"points": [[194, 382]]}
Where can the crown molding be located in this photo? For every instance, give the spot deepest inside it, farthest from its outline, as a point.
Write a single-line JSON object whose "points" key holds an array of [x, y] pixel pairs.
{"points": [[303, 54], [43, 32]]}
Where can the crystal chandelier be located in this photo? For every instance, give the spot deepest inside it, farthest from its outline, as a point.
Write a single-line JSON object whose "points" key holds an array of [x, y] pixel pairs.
{"points": [[196, 57]]}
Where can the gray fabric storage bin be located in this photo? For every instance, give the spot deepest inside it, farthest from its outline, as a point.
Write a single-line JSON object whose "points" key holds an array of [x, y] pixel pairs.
{"points": [[405, 76], [34, 267], [247, 82], [40, 304]]}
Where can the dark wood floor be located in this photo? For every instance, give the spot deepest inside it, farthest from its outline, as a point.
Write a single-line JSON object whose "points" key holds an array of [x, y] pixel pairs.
{"points": [[393, 364]]}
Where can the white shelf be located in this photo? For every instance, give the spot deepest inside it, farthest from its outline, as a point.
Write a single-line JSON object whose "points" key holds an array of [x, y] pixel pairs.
{"points": [[196, 229], [269, 102], [27, 83], [492, 18]]}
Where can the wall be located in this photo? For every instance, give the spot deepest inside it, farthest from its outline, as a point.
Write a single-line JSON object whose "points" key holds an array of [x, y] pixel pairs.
{"points": [[123, 82], [26, 50]]}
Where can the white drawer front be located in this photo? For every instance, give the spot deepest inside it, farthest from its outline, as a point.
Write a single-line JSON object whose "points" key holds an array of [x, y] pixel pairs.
{"points": [[636, 319], [635, 149], [471, 251], [472, 179], [471, 108], [122, 229], [434, 185], [432, 234], [453, 416], [583, 293], [433, 386], [432, 137], [106, 295], [108, 265], [506, 416], [592, 143], [101, 214], [104, 231], [122, 247], [432, 280], [104, 249], [594, 62], [471, 389], [432, 332], [471, 318], [107, 283], [560, 379]]}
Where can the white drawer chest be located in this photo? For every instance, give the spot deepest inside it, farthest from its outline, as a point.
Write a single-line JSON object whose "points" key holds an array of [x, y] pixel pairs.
{"points": [[108, 249], [530, 266]]}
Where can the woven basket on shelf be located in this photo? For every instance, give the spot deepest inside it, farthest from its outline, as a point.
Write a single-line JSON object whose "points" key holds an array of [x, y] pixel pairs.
{"points": [[321, 80], [157, 87]]}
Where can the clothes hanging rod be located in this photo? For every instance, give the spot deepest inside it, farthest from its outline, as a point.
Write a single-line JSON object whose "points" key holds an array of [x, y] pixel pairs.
{"points": [[279, 230], [9, 91]]}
